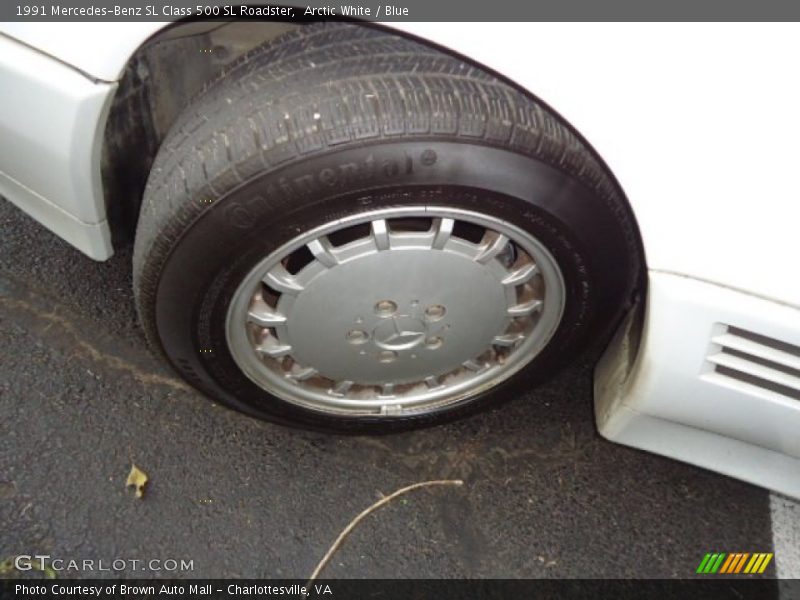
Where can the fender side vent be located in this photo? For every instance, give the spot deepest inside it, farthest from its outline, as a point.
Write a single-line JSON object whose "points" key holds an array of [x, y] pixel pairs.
{"points": [[757, 360]]}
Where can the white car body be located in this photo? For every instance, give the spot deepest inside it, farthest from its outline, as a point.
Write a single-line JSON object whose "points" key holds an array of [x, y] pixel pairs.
{"points": [[698, 122]]}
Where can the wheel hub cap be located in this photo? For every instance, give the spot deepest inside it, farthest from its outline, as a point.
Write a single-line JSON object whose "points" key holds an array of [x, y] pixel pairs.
{"points": [[336, 324], [395, 312]]}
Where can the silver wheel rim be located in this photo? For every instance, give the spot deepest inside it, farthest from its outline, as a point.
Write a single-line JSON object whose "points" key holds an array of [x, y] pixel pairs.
{"points": [[395, 312]]}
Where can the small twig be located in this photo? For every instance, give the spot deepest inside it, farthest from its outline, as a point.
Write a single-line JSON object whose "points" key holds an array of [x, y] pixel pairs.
{"points": [[382, 502]]}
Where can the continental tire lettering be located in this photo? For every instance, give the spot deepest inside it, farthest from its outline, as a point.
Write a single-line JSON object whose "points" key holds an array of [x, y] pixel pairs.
{"points": [[238, 216], [390, 168], [328, 177], [304, 184], [343, 175], [428, 157], [348, 173]]}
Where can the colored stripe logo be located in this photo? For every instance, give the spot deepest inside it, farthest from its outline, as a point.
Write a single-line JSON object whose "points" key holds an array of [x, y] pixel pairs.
{"points": [[734, 563]]}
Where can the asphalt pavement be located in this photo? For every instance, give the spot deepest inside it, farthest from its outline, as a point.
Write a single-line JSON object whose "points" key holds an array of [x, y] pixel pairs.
{"points": [[81, 399]]}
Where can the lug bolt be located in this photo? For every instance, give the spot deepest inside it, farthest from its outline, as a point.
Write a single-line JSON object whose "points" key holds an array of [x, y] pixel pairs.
{"points": [[434, 342], [387, 356], [385, 308], [357, 336], [435, 312]]}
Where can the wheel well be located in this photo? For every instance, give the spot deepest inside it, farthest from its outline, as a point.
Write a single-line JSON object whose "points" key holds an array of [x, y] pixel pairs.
{"points": [[161, 78]]}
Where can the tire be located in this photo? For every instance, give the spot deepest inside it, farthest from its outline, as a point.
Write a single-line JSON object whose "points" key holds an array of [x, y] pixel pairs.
{"points": [[335, 121]]}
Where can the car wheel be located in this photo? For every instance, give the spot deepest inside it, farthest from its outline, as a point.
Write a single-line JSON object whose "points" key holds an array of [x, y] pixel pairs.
{"points": [[354, 231]]}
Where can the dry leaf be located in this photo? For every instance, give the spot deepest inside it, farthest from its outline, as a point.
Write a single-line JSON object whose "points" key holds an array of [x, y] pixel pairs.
{"points": [[138, 479]]}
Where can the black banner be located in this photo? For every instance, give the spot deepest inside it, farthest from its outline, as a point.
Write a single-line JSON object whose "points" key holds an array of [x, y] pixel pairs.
{"points": [[400, 10], [744, 588]]}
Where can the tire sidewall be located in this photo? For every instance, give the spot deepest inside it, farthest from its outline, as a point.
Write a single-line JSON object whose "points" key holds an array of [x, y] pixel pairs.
{"points": [[232, 235]]}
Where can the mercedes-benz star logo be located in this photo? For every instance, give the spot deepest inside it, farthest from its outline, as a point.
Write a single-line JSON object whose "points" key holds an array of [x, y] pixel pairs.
{"points": [[400, 332]]}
